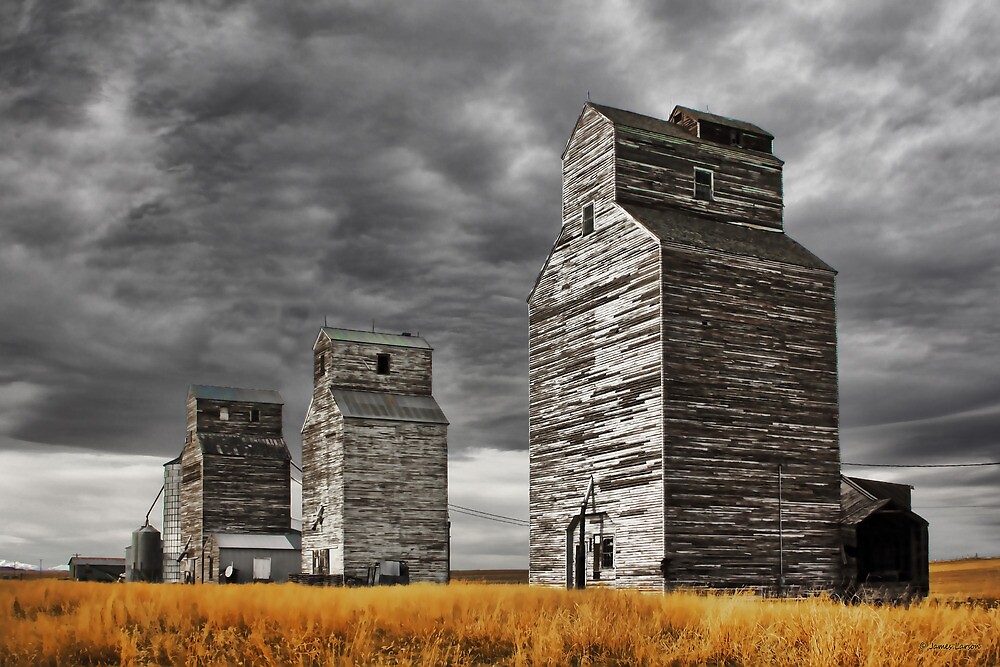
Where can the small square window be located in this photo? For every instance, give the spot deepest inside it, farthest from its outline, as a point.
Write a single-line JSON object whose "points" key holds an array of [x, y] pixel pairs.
{"points": [[254, 414], [382, 364], [224, 414], [703, 184], [588, 219]]}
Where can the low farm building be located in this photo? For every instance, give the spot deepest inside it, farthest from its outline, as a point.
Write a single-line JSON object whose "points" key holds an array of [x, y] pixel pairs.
{"points": [[90, 568], [248, 557]]}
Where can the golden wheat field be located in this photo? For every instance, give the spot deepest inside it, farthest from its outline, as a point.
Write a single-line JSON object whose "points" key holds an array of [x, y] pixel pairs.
{"points": [[47, 622]]}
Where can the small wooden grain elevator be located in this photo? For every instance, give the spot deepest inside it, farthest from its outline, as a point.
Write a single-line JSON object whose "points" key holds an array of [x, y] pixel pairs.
{"points": [[374, 458], [235, 488]]}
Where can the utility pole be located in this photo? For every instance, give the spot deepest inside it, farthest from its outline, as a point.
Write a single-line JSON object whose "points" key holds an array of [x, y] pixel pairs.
{"points": [[781, 540]]}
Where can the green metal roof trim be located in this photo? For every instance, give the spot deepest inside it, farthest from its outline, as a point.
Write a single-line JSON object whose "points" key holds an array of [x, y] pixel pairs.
{"points": [[678, 228], [236, 394], [391, 407], [375, 338], [245, 446]]}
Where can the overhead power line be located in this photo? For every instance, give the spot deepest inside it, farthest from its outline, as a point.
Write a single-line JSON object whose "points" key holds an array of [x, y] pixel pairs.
{"points": [[480, 516], [920, 465], [952, 507], [471, 511]]}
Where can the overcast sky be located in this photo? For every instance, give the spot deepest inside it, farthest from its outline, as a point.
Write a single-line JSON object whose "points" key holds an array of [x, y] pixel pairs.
{"points": [[188, 190]]}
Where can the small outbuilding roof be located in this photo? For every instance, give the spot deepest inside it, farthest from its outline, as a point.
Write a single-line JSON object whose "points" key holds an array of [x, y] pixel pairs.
{"points": [[246, 446], [282, 542], [860, 498], [374, 337], [680, 228], [899, 494], [94, 560], [392, 407], [236, 394]]}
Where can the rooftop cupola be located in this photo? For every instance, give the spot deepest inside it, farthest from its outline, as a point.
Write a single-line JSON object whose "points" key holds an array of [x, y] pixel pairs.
{"points": [[722, 130]]}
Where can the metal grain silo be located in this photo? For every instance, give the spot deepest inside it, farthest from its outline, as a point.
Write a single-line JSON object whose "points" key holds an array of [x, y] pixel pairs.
{"points": [[147, 554]]}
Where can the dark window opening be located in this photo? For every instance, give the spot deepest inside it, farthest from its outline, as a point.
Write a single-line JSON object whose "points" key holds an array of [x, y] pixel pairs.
{"points": [[588, 219], [703, 184], [254, 415], [608, 551], [321, 561], [756, 143], [382, 364]]}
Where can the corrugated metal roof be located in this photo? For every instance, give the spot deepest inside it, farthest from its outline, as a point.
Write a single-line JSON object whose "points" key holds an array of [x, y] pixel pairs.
{"points": [[90, 560], [722, 120], [393, 407], [248, 446], [236, 394], [398, 340], [675, 226], [290, 541]]}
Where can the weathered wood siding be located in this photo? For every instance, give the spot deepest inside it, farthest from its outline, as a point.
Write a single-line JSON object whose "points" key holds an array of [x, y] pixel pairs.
{"points": [[594, 375], [595, 399], [203, 417], [657, 170], [323, 483], [192, 487], [588, 172], [396, 497], [246, 495], [351, 365], [750, 377]]}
